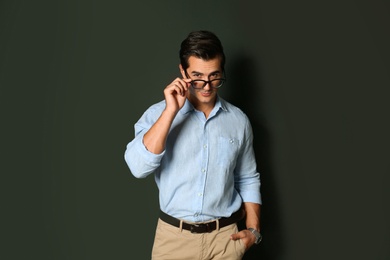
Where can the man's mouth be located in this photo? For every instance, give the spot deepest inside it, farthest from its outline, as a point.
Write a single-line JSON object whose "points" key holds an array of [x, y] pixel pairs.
{"points": [[205, 94]]}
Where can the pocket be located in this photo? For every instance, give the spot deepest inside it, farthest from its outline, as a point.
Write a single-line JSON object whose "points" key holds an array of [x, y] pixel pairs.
{"points": [[240, 248], [227, 150], [239, 245]]}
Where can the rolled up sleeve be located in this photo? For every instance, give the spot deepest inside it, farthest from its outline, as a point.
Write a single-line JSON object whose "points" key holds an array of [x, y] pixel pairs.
{"points": [[140, 161], [247, 178]]}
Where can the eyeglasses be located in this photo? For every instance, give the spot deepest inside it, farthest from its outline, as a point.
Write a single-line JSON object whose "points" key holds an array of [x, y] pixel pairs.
{"points": [[200, 84], [214, 83]]}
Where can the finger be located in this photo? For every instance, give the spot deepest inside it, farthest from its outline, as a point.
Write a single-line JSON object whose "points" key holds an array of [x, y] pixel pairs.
{"points": [[179, 88], [175, 89], [184, 80], [188, 82], [179, 85], [236, 236], [185, 83]]}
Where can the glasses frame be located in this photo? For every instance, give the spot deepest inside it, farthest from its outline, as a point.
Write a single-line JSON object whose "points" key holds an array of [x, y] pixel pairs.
{"points": [[206, 81]]}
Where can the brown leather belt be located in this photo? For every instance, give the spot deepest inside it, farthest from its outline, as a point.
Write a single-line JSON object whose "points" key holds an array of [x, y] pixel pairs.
{"points": [[203, 227]]}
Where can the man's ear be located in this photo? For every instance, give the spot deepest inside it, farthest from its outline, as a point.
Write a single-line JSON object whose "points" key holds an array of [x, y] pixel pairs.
{"points": [[183, 74]]}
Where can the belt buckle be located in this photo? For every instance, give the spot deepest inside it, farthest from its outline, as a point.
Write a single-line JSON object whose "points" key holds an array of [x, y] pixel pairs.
{"points": [[205, 228]]}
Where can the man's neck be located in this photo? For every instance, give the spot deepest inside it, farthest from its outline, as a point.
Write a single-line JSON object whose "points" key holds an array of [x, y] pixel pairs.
{"points": [[206, 108]]}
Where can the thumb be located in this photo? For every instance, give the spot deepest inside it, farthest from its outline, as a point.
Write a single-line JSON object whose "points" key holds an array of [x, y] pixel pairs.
{"points": [[235, 236], [188, 81]]}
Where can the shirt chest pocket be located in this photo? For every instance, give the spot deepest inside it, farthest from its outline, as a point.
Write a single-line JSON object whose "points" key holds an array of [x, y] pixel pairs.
{"points": [[228, 149]]}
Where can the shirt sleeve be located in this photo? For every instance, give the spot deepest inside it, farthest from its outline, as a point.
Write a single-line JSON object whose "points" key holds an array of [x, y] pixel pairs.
{"points": [[247, 179], [140, 161]]}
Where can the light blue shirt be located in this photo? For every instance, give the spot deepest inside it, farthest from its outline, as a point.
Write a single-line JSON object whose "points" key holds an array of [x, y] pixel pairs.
{"points": [[208, 167]]}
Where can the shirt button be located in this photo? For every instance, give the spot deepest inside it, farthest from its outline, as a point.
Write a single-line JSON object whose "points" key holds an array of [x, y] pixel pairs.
{"points": [[204, 146], [203, 170], [196, 214], [231, 141], [200, 194]]}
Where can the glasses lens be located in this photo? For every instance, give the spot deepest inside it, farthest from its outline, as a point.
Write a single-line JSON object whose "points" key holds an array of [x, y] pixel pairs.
{"points": [[215, 83], [198, 83]]}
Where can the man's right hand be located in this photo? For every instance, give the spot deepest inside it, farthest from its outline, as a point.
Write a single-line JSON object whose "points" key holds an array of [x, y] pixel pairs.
{"points": [[175, 97], [176, 94]]}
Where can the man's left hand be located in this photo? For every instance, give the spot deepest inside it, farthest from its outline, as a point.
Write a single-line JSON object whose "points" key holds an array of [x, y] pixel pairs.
{"points": [[246, 236]]}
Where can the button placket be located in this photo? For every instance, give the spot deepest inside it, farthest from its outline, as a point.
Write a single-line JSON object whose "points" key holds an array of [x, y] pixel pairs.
{"points": [[203, 171]]}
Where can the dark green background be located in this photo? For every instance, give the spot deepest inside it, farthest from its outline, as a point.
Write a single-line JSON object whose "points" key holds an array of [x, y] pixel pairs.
{"points": [[313, 76]]}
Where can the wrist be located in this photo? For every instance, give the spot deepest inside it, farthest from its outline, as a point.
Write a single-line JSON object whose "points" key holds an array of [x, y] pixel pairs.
{"points": [[169, 113], [256, 233]]}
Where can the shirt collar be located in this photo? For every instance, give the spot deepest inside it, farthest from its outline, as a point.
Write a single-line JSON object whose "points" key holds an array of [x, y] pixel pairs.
{"points": [[188, 107], [221, 104]]}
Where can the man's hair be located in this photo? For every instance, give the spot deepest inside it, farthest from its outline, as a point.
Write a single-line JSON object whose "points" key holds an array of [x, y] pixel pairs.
{"points": [[201, 44]]}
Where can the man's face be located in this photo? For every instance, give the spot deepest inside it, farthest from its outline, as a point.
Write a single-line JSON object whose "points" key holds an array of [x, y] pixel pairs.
{"points": [[199, 69]]}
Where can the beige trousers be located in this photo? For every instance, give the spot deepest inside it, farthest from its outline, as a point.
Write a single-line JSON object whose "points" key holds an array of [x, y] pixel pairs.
{"points": [[171, 243]]}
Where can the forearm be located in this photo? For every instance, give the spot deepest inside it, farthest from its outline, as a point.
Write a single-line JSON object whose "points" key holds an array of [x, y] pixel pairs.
{"points": [[252, 215], [154, 140]]}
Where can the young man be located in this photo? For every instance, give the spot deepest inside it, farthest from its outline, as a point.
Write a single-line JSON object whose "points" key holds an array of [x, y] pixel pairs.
{"points": [[199, 148]]}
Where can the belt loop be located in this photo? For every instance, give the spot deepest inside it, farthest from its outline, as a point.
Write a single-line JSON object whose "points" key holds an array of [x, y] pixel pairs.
{"points": [[217, 223], [181, 226]]}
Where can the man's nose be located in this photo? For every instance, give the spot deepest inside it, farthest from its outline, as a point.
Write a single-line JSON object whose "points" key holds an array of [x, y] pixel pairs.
{"points": [[207, 86]]}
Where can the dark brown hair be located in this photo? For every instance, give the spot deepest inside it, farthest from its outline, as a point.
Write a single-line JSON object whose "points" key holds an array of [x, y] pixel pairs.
{"points": [[201, 44]]}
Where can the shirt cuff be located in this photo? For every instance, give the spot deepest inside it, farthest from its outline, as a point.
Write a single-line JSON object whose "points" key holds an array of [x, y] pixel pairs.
{"points": [[251, 196], [150, 158]]}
